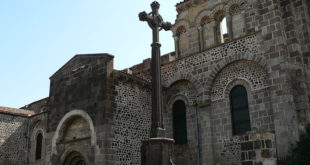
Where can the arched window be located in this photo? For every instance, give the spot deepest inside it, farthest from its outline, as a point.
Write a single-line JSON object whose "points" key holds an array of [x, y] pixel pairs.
{"points": [[223, 30], [240, 110], [221, 26], [39, 146], [179, 122]]}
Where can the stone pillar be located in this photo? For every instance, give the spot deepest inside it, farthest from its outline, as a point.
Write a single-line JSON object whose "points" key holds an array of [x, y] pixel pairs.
{"points": [[244, 31], [201, 38], [157, 151], [176, 45], [215, 33], [229, 27]]}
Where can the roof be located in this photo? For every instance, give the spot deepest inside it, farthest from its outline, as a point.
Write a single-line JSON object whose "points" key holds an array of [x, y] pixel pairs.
{"points": [[35, 102], [16, 111], [83, 55], [44, 99], [132, 77]]}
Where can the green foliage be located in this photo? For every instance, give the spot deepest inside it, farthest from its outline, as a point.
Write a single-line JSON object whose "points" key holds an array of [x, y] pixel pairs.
{"points": [[301, 152]]}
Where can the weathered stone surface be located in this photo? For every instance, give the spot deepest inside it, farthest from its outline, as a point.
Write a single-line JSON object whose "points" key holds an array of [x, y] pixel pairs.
{"points": [[247, 146], [252, 155], [157, 151], [266, 153], [82, 83], [266, 51], [257, 144], [132, 122], [13, 139], [247, 163]]}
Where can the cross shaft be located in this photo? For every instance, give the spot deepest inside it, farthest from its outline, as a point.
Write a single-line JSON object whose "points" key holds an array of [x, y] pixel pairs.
{"points": [[156, 23]]}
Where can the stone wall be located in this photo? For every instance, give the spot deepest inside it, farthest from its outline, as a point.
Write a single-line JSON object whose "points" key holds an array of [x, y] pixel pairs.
{"points": [[132, 121], [238, 22], [276, 43], [261, 117], [82, 83], [13, 139], [37, 106], [267, 52], [201, 23], [251, 149], [82, 87], [212, 74], [37, 125], [297, 28], [187, 153]]}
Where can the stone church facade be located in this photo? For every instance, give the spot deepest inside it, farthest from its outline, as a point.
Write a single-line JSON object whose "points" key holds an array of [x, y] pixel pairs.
{"points": [[239, 97]]}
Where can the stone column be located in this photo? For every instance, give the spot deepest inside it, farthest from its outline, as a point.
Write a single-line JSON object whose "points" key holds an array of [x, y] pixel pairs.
{"points": [[201, 38], [176, 45], [229, 27], [215, 31], [244, 23]]}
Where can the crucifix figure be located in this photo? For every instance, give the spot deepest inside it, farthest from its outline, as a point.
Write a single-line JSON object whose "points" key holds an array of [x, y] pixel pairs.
{"points": [[156, 23]]}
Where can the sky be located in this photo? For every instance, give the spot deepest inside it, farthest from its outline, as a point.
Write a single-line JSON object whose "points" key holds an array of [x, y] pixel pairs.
{"points": [[38, 37]]}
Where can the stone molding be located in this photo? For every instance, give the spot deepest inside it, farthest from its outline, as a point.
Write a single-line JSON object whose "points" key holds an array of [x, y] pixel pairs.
{"points": [[68, 116]]}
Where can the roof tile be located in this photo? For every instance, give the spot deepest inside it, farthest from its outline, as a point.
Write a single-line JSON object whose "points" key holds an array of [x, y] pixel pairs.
{"points": [[16, 111]]}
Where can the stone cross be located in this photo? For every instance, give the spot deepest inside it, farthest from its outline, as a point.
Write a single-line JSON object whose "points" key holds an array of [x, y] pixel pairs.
{"points": [[156, 23]]}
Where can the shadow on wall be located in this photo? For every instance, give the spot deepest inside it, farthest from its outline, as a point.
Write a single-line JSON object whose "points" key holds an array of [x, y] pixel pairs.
{"points": [[13, 140]]}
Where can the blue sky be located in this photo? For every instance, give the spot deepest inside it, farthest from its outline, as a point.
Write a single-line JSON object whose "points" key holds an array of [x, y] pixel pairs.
{"points": [[38, 36]]}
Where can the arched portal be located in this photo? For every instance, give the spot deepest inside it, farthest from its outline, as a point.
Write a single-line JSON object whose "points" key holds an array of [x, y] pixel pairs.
{"points": [[74, 134], [74, 158], [65, 128]]}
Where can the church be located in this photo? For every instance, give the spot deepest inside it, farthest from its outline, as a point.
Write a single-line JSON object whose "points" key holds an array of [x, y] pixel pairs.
{"points": [[236, 91]]}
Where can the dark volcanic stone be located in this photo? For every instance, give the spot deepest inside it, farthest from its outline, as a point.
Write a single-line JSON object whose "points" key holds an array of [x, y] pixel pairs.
{"points": [[268, 143], [257, 145], [243, 156], [247, 163], [246, 146], [266, 154], [252, 155]]}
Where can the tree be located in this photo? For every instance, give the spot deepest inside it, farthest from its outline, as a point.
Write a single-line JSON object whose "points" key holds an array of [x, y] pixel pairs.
{"points": [[301, 152]]}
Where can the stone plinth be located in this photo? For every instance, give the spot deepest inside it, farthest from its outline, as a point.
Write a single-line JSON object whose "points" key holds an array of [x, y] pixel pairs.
{"points": [[157, 151]]}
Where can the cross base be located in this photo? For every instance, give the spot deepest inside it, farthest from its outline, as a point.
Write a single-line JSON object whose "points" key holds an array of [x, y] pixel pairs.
{"points": [[157, 151]]}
